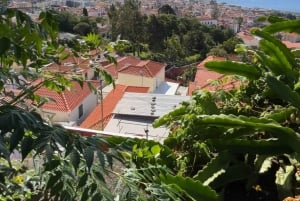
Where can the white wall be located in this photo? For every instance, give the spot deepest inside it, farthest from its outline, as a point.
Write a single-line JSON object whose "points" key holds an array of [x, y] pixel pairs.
{"points": [[134, 80], [89, 103]]}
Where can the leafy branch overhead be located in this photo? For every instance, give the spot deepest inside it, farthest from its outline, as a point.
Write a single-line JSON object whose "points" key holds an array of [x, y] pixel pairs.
{"points": [[66, 166]]}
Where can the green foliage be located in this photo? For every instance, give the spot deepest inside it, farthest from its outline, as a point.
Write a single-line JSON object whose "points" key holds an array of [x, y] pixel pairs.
{"points": [[223, 140], [166, 9], [71, 23], [82, 28], [169, 38], [61, 165]]}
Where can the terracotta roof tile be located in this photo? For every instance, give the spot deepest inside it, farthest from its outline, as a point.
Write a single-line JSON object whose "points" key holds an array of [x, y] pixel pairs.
{"points": [[135, 66], [93, 121], [121, 63], [291, 45], [70, 64], [146, 68], [204, 78], [66, 100], [137, 89]]}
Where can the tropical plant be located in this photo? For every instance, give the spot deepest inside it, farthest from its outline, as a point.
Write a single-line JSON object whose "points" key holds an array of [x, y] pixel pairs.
{"points": [[54, 164], [241, 144]]}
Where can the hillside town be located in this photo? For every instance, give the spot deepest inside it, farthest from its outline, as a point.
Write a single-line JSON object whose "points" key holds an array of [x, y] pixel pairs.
{"points": [[145, 89], [149, 100]]}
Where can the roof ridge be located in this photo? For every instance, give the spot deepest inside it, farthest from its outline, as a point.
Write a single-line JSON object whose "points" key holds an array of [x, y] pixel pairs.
{"points": [[149, 71], [65, 101]]}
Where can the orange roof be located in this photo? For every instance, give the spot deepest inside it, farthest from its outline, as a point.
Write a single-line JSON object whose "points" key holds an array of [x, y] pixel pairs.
{"points": [[70, 64], [121, 63], [245, 36], [68, 99], [137, 89], [109, 103], [134, 66], [204, 78], [291, 45]]}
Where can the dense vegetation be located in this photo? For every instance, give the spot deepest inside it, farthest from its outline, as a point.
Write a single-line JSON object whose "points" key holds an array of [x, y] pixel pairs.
{"points": [[223, 145], [164, 37], [233, 145]]}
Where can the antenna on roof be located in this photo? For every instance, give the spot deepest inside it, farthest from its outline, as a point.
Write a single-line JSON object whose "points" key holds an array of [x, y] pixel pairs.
{"points": [[146, 130]]}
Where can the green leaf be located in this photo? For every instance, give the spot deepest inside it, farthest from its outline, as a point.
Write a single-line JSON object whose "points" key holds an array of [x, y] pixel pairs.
{"points": [[57, 188], [26, 146], [267, 147], [89, 156], [97, 197], [234, 68], [3, 149], [283, 91], [287, 136], [107, 77], [53, 179], [83, 180], [75, 159], [85, 194], [155, 149], [49, 166], [98, 175], [176, 113], [219, 162], [4, 45], [101, 158], [190, 187], [231, 174], [63, 56], [15, 138], [289, 26], [283, 53], [280, 115]]}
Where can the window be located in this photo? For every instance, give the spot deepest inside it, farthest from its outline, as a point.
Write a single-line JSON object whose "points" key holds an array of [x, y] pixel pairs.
{"points": [[80, 109]]}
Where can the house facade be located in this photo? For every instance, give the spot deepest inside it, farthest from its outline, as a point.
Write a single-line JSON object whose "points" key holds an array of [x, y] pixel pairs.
{"points": [[70, 106], [132, 71]]}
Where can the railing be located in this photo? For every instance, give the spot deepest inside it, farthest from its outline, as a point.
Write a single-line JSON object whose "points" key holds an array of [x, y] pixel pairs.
{"points": [[91, 132]]}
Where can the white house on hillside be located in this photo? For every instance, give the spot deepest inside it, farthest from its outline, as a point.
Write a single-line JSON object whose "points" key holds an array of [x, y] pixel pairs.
{"points": [[70, 106]]}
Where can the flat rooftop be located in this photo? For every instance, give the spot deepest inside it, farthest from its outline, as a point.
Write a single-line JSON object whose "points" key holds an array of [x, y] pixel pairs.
{"points": [[151, 105]]}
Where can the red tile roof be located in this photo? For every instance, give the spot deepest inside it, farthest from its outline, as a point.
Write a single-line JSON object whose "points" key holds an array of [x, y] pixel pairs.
{"points": [[70, 64], [93, 121], [121, 63], [134, 66], [291, 45], [68, 99], [204, 78], [245, 36], [137, 89]]}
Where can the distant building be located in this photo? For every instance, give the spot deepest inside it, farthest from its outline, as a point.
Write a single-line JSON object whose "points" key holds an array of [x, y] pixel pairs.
{"points": [[208, 21], [292, 37]]}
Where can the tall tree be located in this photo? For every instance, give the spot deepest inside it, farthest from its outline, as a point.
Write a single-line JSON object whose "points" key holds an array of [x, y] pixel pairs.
{"points": [[128, 23], [85, 12], [166, 9]]}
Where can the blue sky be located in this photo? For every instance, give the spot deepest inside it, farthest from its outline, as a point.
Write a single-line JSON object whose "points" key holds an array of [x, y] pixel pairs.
{"points": [[287, 5]]}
